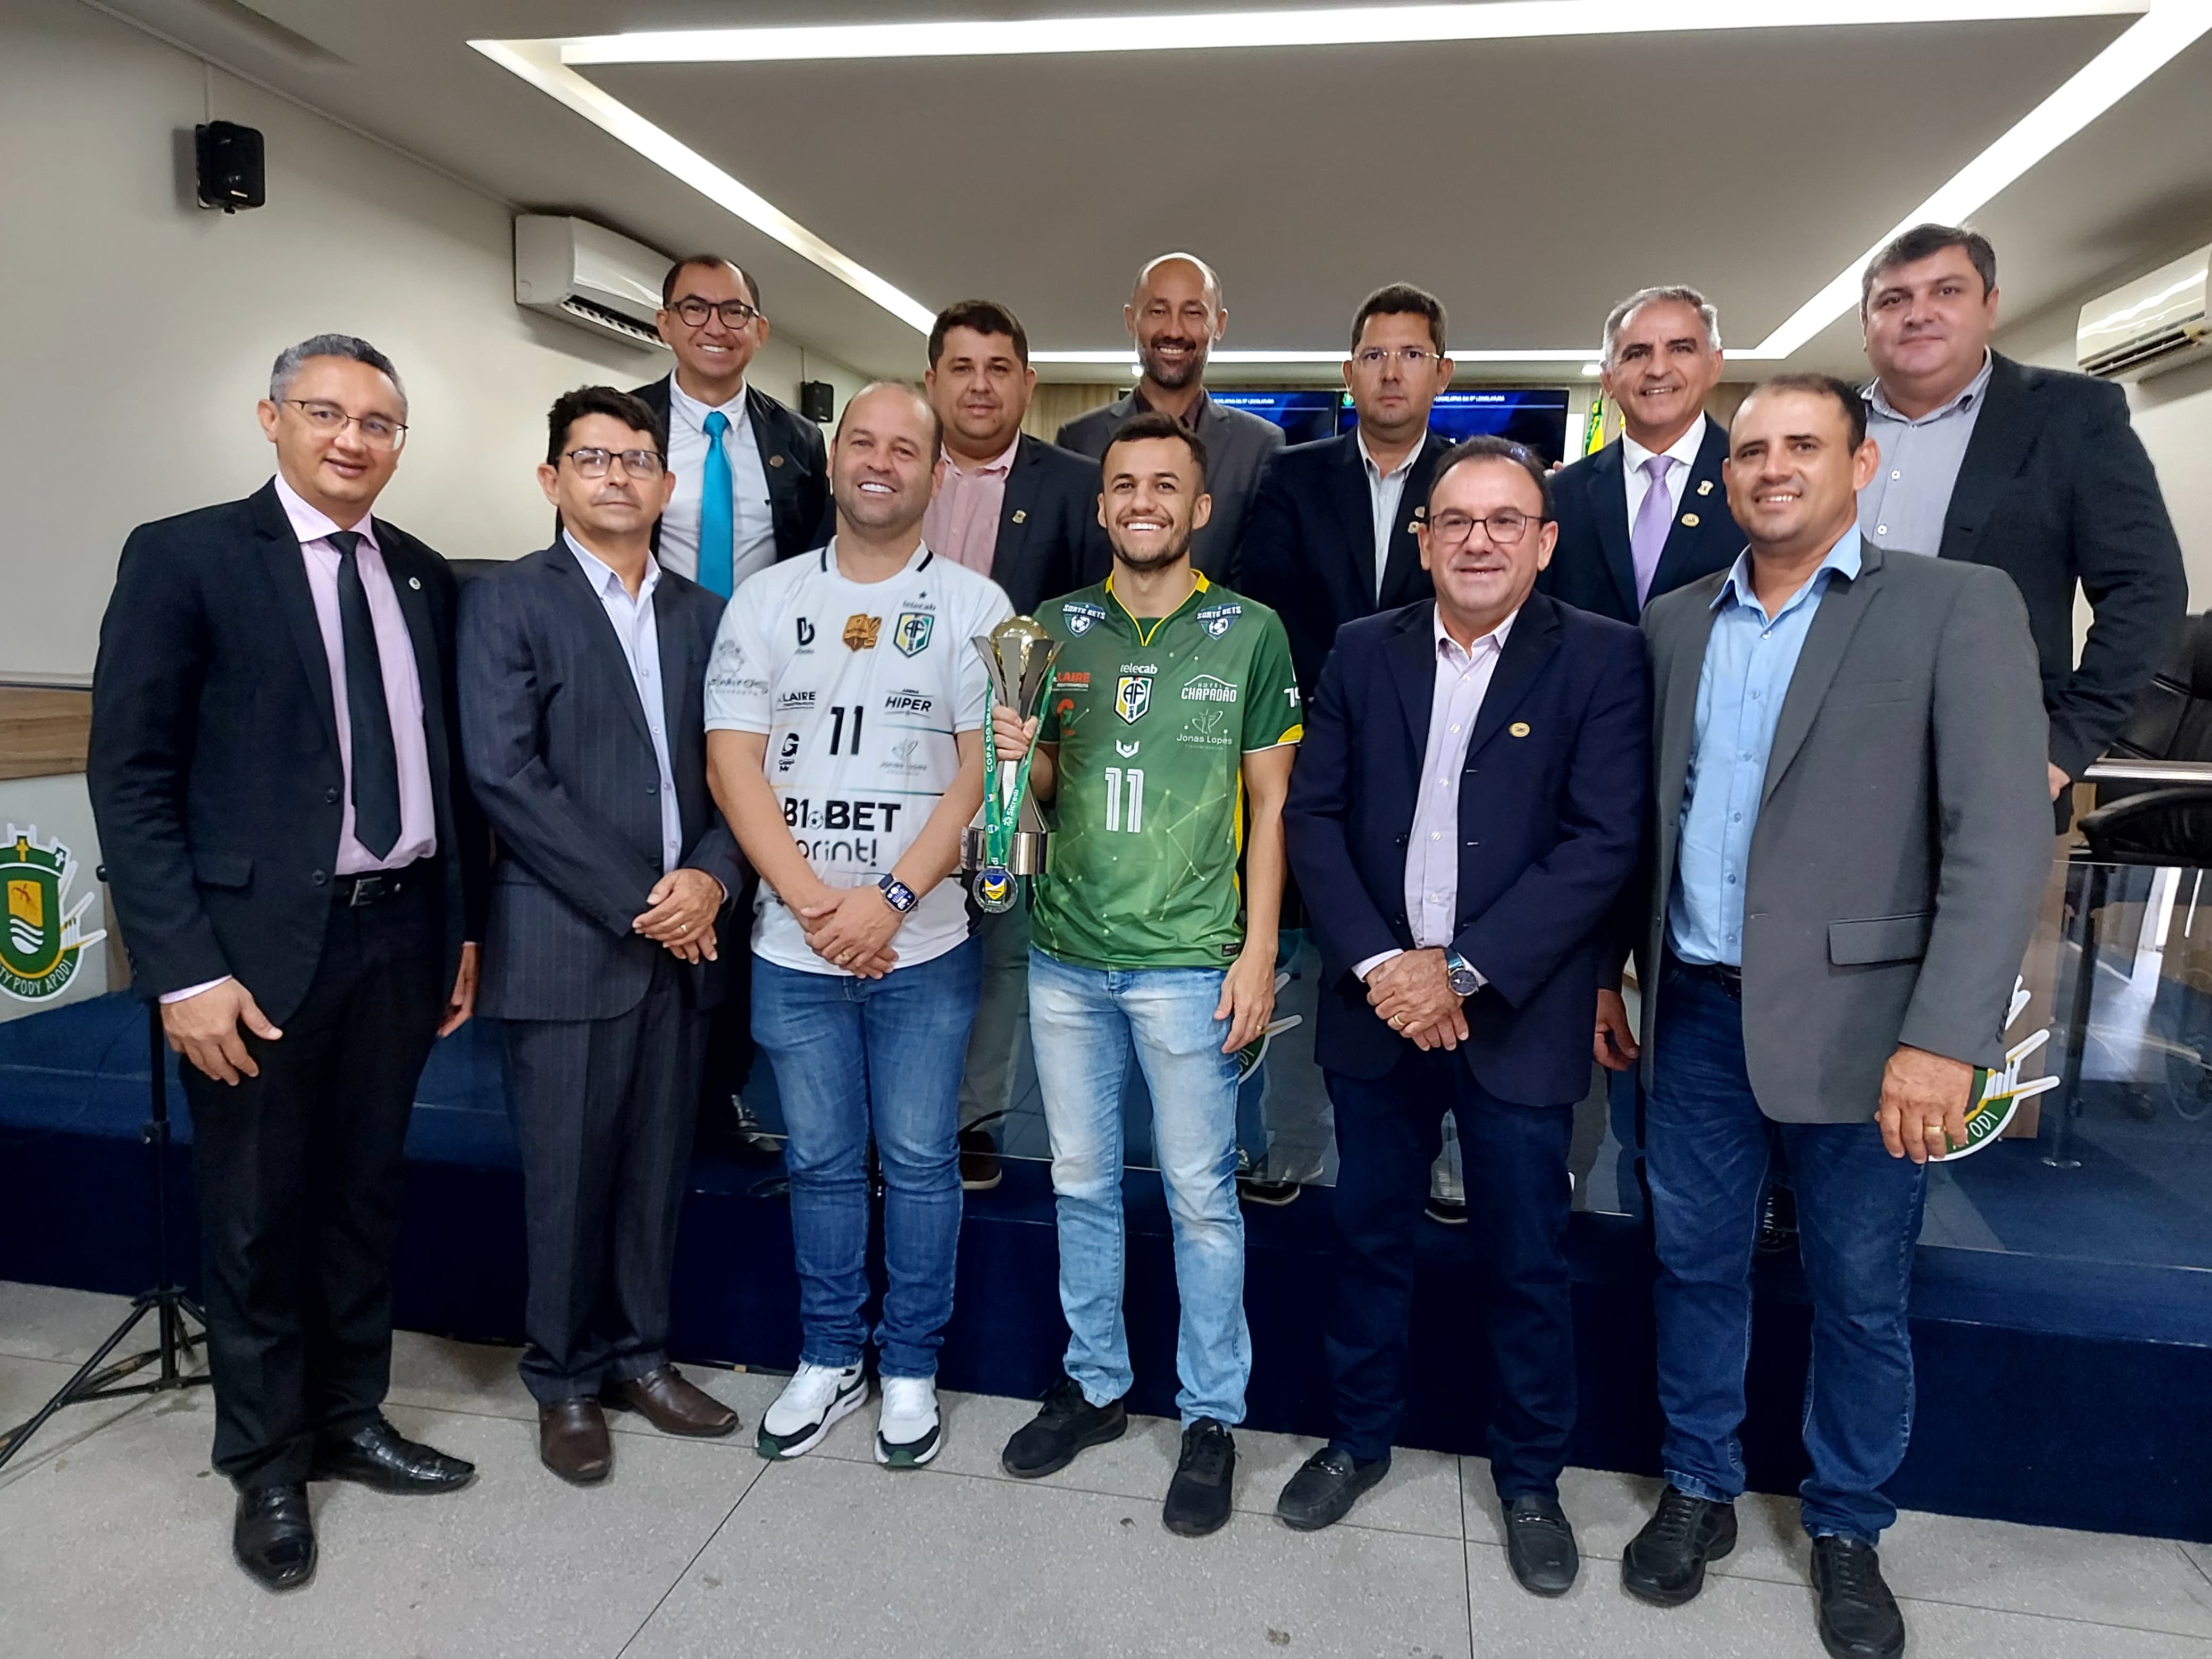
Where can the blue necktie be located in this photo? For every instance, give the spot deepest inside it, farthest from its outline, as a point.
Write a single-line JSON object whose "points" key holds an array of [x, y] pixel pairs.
{"points": [[717, 513]]}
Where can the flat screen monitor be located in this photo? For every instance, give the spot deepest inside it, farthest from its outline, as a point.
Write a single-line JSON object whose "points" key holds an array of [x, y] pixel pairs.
{"points": [[1304, 414], [1535, 416]]}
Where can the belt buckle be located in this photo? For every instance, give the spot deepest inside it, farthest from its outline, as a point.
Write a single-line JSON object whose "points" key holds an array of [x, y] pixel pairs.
{"points": [[367, 890]]}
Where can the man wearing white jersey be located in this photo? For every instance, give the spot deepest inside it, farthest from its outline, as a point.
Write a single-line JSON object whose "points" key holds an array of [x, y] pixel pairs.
{"points": [[845, 707]]}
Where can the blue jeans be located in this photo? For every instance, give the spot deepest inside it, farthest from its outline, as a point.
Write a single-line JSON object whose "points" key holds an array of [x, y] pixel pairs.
{"points": [[1858, 1215], [852, 1056], [1084, 1023]]}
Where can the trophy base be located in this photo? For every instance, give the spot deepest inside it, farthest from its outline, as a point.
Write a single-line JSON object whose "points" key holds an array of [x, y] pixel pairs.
{"points": [[1026, 856]]}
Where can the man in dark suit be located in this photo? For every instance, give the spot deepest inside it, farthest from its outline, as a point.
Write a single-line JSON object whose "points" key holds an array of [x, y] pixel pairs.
{"points": [[1175, 317], [752, 487], [1620, 544], [1023, 512], [1465, 814], [274, 768], [583, 669], [2034, 471]]}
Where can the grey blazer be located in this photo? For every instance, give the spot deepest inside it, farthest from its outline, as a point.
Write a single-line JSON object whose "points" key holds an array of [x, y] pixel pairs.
{"points": [[1239, 447], [1903, 835]]}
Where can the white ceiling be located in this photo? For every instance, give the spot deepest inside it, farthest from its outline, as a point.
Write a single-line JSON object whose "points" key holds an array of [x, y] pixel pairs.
{"points": [[1528, 182]]}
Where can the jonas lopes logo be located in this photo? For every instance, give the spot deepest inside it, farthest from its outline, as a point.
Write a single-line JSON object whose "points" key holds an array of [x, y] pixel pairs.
{"points": [[42, 939]]}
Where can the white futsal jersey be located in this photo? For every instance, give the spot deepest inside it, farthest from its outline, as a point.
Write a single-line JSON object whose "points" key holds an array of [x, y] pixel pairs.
{"points": [[859, 688]]}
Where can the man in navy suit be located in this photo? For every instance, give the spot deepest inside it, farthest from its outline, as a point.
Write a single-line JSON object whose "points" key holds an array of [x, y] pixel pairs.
{"points": [[1464, 816], [583, 673], [1620, 544]]}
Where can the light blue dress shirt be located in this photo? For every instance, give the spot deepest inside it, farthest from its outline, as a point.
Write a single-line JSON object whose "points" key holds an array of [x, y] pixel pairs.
{"points": [[639, 638], [1749, 659], [752, 519], [1904, 507]]}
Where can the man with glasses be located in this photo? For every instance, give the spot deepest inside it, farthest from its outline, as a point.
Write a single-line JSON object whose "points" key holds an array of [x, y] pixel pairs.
{"points": [[1463, 820], [583, 719], [298, 871], [1175, 317]]}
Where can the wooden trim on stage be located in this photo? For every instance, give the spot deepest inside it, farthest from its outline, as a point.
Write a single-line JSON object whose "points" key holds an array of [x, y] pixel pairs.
{"points": [[44, 731]]}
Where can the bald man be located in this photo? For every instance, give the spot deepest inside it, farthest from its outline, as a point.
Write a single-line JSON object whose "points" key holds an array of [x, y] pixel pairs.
{"points": [[1176, 317]]}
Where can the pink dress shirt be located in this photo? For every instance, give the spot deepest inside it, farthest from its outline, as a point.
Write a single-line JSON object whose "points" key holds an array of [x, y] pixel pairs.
{"points": [[962, 523]]}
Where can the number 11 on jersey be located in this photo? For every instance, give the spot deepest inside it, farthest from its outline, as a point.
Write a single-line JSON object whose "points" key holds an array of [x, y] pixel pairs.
{"points": [[1133, 813]]}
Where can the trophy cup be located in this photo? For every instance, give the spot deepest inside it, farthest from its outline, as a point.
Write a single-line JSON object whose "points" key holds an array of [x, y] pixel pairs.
{"points": [[1006, 838]]}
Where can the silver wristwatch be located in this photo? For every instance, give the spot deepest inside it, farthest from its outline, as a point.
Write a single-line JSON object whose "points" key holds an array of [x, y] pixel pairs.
{"points": [[1460, 975]]}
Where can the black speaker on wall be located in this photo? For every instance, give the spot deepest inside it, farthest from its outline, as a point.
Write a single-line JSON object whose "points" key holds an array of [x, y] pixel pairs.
{"points": [[230, 171], [817, 401]]}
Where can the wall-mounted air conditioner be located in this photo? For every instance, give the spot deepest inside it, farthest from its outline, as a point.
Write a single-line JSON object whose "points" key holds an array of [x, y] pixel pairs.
{"points": [[588, 276], [2155, 323]]}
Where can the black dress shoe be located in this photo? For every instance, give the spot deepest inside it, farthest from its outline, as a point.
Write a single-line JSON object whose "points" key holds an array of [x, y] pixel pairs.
{"points": [[1446, 1212], [1326, 1487], [1540, 1546], [1065, 1425], [1665, 1564], [379, 1455], [1778, 1221], [1200, 1495], [273, 1537], [1858, 1616]]}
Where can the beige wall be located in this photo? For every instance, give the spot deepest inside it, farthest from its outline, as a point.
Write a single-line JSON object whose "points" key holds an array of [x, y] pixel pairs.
{"points": [[138, 330]]}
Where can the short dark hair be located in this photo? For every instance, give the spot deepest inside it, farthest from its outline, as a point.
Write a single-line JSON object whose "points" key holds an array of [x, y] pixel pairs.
{"points": [[1821, 385], [1922, 241], [350, 347], [1400, 300], [668, 283], [1488, 447], [571, 407], [985, 316], [1156, 423]]}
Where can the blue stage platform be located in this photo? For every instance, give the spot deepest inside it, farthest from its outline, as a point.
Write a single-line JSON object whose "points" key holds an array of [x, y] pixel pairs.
{"points": [[2061, 1390]]}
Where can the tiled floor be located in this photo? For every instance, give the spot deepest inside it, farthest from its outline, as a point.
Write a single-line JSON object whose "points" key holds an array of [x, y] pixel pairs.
{"points": [[114, 1541]]}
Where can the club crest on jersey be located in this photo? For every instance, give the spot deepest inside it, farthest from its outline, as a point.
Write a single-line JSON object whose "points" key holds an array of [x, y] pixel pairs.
{"points": [[1081, 617], [912, 634], [860, 632], [1218, 619], [1132, 696]]}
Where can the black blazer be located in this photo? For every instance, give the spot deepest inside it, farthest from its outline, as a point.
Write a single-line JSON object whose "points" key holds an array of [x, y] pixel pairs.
{"points": [[2057, 489], [559, 754], [1551, 811], [214, 770], [1050, 541], [1310, 544], [792, 455], [1591, 567]]}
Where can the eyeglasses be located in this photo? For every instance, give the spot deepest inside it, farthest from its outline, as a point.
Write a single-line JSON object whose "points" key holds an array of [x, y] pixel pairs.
{"points": [[635, 462], [377, 431], [695, 311], [1374, 357], [1506, 527]]}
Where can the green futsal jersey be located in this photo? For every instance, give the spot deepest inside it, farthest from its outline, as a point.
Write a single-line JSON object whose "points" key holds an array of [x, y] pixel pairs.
{"points": [[1153, 720]]}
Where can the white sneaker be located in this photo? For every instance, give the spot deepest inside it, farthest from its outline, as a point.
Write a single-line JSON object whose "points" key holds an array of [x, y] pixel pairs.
{"points": [[813, 1399], [907, 1432]]}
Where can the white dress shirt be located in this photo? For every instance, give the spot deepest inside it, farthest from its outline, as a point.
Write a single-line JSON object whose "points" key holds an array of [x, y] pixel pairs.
{"points": [[632, 620], [1431, 888], [1386, 494], [752, 539], [1683, 451]]}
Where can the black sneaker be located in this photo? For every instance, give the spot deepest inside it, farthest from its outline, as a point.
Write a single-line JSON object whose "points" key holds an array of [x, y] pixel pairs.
{"points": [[1858, 1616], [1665, 1564], [1199, 1496], [1065, 1425], [1326, 1487], [1540, 1545], [979, 1162], [1446, 1212]]}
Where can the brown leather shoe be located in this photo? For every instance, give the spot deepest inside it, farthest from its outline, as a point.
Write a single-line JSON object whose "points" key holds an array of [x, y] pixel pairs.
{"points": [[572, 1441], [671, 1404]]}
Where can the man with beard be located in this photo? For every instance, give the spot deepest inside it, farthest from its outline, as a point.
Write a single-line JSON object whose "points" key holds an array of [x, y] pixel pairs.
{"points": [[1175, 317], [845, 710], [1175, 713]]}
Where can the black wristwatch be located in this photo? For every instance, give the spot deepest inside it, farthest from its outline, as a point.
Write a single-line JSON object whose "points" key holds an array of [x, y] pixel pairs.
{"points": [[1460, 975], [901, 897]]}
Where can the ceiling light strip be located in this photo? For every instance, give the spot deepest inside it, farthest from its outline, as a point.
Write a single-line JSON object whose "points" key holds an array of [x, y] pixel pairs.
{"points": [[1127, 357], [1339, 26], [535, 63], [2168, 28]]}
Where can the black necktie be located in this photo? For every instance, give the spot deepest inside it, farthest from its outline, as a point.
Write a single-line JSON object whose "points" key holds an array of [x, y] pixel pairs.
{"points": [[375, 762]]}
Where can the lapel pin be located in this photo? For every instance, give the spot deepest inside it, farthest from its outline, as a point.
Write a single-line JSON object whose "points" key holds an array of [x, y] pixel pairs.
{"points": [[1421, 512], [775, 460], [1021, 515], [415, 582], [1691, 520], [1704, 487], [1519, 728], [1414, 528]]}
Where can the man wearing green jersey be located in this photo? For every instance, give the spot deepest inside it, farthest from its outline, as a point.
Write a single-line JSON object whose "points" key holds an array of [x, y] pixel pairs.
{"points": [[1167, 746]]}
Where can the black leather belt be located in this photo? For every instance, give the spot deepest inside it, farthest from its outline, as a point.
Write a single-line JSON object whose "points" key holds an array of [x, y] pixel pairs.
{"points": [[375, 886], [1719, 972]]}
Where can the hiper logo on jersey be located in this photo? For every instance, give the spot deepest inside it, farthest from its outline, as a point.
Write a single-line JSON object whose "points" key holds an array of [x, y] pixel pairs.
{"points": [[1132, 695]]}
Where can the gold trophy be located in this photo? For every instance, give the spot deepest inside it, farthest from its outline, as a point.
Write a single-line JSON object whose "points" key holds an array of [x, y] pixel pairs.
{"points": [[1005, 840]]}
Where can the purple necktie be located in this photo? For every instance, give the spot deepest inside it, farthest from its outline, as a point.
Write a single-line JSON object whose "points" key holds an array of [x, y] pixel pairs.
{"points": [[1646, 537]]}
